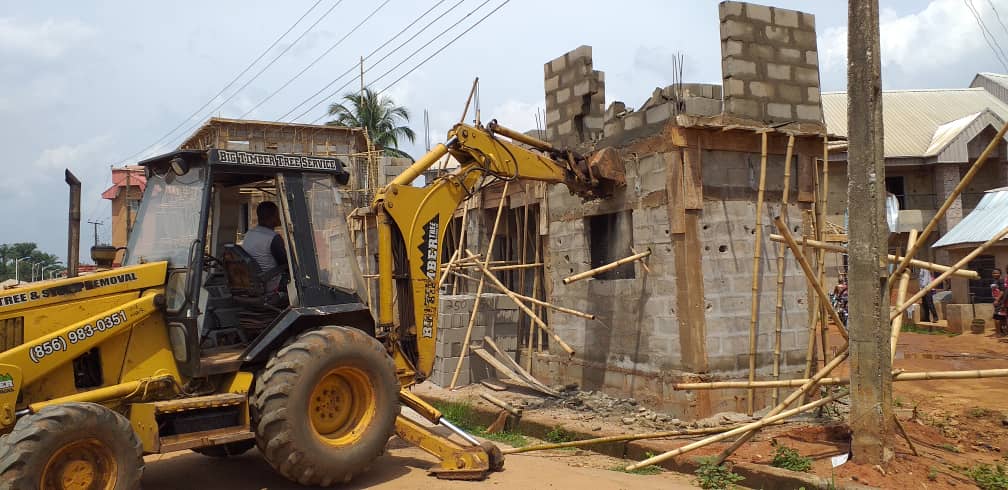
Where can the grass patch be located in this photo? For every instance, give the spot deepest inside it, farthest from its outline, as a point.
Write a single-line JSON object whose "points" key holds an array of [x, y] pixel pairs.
{"points": [[790, 459], [710, 476], [559, 434], [932, 474], [949, 447], [644, 470], [989, 477], [462, 415], [978, 412], [913, 328]]}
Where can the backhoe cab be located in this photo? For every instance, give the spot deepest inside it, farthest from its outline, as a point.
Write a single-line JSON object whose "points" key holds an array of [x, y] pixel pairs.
{"points": [[188, 346]]}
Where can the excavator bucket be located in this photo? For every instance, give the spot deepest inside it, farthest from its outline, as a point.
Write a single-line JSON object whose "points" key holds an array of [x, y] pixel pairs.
{"points": [[606, 166]]}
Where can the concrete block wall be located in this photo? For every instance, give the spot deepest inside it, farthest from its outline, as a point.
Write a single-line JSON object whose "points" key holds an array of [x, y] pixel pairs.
{"points": [[728, 237], [697, 99], [769, 63], [575, 99], [497, 318]]}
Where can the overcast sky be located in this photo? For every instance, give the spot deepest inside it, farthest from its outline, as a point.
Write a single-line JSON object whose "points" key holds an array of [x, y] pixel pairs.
{"points": [[85, 85]]}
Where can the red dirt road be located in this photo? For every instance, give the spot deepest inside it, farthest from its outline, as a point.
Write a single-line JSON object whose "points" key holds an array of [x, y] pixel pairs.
{"points": [[405, 467]]}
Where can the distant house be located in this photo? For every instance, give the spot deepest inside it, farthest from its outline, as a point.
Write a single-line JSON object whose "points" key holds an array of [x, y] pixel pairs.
{"points": [[988, 218], [128, 184], [931, 139]]}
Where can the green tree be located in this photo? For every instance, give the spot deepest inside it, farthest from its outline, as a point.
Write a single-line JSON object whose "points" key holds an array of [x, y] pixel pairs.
{"points": [[383, 119], [10, 252]]}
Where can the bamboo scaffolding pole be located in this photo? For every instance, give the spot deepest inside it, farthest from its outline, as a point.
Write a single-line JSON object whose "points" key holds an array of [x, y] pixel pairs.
{"points": [[643, 263], [610, 266], [963, 182], [897, 323], [802, 390], [757, 252], [470, 265], [521, 305], [894, 259], [479, 289], [622, 438], [938, 280], [536, 301], [809, 274], [747, 428], [517, 412], [781, 250], [459, 248], [535, 294], [824, 302], [897, 376], [810, 352]]}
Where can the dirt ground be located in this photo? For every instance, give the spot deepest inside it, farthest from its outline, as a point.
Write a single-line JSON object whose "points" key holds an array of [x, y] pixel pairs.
{"points": [[405, 467]]}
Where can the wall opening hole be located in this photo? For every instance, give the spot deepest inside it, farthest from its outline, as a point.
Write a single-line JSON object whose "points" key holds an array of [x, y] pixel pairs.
{"points": [[610, 237], [722, 248]]}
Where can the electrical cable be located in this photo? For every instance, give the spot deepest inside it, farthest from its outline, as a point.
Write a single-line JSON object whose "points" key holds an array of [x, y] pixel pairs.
{"points": [[268, 65], [988, 36], [383, 58], [316, 60], [998, 16], [229, 84]]}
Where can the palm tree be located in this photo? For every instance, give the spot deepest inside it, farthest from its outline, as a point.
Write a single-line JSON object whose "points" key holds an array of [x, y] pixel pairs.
{"points": [[379, 115]]}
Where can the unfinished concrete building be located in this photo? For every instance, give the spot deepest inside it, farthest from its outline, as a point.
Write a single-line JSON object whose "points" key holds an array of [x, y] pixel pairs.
{"points": [[692, 154]]}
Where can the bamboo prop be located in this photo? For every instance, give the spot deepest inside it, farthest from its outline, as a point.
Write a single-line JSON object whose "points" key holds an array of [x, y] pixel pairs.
{"points": [[470, 265], [622, 438], [893, 259], [479, 290], [535, 294], [503, 405], [781, 249], [472, 92], [458, 249], [643, 263], [536, 301], [747, 428], [823, 298], [963, 182], [521, 305], [897, 323], [757, 252], [938, 280], [610, 266], [810, 352], [902, 431], [823, 188], [805, 389], [897, 376]]}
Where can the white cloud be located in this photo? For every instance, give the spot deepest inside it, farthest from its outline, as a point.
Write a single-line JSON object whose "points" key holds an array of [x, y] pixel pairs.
{"points": [[515, 114], [942, 34], [64, 156], [48, 39]]}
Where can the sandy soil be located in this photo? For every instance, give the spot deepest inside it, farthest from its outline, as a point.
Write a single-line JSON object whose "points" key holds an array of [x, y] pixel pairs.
{"points": [[406, 467]]}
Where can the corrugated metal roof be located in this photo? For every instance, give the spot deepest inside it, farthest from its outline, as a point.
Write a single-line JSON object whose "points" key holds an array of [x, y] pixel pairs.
{"points": [[982, 224], [911, 117]]}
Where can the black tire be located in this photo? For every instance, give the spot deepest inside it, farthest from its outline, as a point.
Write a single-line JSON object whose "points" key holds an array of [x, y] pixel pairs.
{"points": [[226, 450], [27, 453], [291, 411]]}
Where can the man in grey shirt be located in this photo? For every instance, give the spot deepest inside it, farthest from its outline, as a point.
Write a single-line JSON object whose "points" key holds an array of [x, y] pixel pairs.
{"points": [[265, 245]]}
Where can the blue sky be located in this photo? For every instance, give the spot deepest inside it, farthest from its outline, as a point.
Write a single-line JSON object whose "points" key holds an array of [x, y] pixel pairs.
{"points": [[85, 84]]}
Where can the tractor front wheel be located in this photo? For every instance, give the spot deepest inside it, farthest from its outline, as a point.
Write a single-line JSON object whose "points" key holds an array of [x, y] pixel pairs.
{"points": [[326, 406], [72, 446]]}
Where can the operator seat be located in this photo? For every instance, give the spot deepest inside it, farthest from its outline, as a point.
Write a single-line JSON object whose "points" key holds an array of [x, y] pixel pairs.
{"points": [[247, 283]]}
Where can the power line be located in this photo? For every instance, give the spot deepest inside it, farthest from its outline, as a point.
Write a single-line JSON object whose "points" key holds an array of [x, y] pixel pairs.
{"points": [[409, 56], [355, 65], [316, 60], [229, 84], [442, 48], [268, 65], [988, 37], [998, 16], [456, 38]]}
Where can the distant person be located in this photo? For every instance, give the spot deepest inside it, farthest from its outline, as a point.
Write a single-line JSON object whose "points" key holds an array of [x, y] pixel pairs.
{"points": [[928, 310], [265, 245], [1000, 304], [998, 293]]}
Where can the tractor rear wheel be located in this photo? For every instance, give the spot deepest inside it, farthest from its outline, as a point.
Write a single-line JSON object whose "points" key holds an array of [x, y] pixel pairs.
{"points": [[326, 406], [71, 446]]}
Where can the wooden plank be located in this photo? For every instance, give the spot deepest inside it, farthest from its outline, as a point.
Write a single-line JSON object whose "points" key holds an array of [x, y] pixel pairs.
{"points": [[499, 366], [692, 178], [674, 191], [525, 375], [492, 385], [806, 179]]}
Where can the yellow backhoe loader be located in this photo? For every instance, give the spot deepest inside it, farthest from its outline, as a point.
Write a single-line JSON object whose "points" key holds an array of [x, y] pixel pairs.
{"points": [[187, 347]]}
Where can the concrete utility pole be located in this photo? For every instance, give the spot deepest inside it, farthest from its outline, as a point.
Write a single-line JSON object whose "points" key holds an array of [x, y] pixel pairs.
{"points": [[868, 232]]}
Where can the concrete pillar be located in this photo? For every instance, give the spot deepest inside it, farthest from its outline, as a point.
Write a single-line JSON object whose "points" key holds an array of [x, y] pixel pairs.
{"points": [[871, 417], [947, 176]]}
